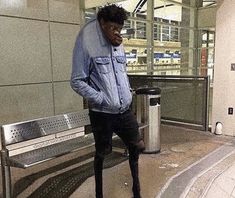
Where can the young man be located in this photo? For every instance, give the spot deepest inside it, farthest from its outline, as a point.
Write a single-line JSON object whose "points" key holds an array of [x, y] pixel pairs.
{"points": [[99, 75]]}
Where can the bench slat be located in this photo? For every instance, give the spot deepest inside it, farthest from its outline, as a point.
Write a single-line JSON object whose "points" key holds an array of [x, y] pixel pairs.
{"points": [[22, 131], [37, 156]]}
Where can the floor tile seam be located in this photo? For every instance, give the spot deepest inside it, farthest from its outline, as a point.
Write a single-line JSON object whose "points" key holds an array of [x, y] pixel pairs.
{"points": [[188, 168], [192, 182]]}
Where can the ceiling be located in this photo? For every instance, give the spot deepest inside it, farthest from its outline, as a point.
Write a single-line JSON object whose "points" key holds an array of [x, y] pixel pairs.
{"points": [[162, 9]]}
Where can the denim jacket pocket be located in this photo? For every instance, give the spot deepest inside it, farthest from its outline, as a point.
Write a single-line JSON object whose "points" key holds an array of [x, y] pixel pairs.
{"points": [[121, 63], [103, 64]]}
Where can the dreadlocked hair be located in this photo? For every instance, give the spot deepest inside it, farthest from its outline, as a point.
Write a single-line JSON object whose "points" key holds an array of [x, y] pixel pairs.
{"points": [[112, 13]]}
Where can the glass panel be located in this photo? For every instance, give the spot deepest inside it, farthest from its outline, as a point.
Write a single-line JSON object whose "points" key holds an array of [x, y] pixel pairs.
{"points": [[135, 26], [165, 34], [174, 32], [174, 52], [141, 30], [134, 29], [184, 37], [173, 39], [188, 66], [183, 99], [174, 63], [157, 32], [166, 62], [206, 53], [206, 60], [172, 59], [170, 32], [136, 60]]}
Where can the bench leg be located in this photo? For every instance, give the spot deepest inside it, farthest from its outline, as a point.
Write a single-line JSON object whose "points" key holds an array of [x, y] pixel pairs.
{"points": [[6, 175], [126, 152]]}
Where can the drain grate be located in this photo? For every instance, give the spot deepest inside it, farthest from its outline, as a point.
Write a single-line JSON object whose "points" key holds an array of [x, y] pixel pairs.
{"points": [[63, 185]]}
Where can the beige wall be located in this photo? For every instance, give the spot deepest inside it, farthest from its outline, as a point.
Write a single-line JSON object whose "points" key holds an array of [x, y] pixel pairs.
{"points": [[37, 39], [224, 78]]}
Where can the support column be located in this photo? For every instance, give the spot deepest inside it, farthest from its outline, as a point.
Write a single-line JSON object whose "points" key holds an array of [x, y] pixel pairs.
{"points": [[82, 12], [189, 38], [149, 34]]}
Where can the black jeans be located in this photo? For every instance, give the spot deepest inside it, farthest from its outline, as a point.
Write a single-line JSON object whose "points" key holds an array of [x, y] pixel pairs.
{"points": [[126, 127]]}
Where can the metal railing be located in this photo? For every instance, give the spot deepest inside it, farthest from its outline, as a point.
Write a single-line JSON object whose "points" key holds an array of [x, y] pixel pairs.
{"points": [[184, 99]]}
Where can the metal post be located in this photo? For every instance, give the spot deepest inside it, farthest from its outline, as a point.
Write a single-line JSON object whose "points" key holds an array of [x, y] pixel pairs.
{"points": [[149, 35], [138, 110], [6, 175]]}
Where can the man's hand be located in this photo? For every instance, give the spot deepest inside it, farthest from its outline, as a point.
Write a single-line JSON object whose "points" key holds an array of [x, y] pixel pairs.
{"points": [[117, 39]]}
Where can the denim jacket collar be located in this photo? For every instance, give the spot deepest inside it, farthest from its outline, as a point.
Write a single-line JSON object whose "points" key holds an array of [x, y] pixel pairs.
{"points": [[103, 41]]}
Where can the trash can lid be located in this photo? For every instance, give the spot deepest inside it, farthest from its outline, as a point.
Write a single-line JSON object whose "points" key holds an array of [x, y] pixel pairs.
{"points": [[148, 90]]}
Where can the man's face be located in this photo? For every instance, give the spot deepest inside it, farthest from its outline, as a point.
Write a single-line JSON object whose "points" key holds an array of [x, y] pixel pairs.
{"points": [[112, 32]]}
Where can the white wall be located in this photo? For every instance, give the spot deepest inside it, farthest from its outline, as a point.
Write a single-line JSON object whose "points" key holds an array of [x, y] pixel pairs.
{"points": [[224, 78]]}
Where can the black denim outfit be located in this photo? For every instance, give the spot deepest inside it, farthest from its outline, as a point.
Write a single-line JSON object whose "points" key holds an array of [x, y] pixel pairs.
{"points": [[126, 127]]}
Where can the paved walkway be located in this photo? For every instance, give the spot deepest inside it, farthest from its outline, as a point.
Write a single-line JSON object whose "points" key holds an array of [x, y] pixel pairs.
{"points": [[210, 177], [217, 181], [191, 164]]}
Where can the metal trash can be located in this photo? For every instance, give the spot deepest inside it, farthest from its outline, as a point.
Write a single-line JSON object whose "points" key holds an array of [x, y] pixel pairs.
{"points": [[148, 113]]}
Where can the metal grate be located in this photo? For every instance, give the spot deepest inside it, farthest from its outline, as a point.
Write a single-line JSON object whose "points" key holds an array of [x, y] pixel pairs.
{"points": [[31, 158], [18, 132]]}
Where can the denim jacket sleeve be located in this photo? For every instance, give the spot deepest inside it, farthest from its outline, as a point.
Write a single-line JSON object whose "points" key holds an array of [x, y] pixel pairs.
{"points": [[80, 73]]}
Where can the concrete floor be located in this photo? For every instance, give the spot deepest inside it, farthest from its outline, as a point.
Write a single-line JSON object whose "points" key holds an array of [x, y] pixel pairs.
{"points": [[191, 164], [180, 149]]}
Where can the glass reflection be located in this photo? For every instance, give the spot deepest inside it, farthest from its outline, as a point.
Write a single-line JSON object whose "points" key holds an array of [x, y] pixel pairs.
{"points": [[173, 37]]}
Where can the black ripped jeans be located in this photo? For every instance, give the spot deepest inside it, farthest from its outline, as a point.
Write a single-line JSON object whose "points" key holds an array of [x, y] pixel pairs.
{"points": [[126, 127]]}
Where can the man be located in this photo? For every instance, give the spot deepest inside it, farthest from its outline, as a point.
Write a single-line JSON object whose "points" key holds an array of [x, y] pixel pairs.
{"points": [[99, 75]]}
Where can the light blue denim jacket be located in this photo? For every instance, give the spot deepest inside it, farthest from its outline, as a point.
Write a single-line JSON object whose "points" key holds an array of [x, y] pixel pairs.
{"points": [[99, 71]]}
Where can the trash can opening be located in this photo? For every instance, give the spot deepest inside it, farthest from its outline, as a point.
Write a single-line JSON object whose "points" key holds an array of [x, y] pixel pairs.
{"points": [[148, 91]]}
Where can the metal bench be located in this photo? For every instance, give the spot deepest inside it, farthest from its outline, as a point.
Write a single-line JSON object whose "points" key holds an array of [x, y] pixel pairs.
{"points": [[25, 144]]}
